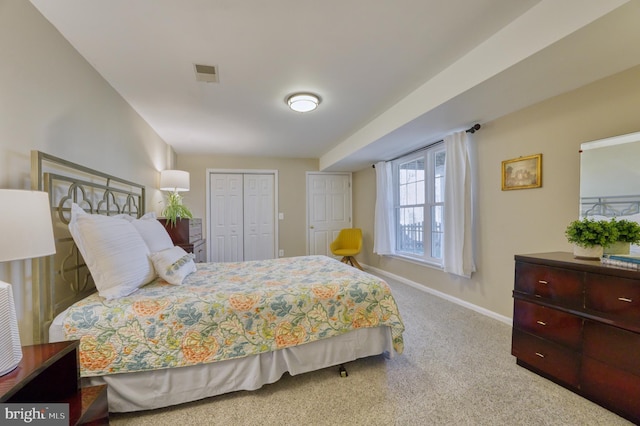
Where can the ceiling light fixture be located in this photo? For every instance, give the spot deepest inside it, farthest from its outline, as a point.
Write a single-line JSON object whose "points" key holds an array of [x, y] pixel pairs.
{"points": [[303, 102]]}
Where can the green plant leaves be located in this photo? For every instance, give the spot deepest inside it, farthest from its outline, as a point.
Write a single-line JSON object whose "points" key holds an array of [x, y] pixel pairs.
{"points": [[174, 209], [588, 232], [629, 231]]}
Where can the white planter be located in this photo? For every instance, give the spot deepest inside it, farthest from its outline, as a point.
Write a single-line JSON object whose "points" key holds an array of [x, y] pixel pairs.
{"points": [[619, 247], [587, 253]]}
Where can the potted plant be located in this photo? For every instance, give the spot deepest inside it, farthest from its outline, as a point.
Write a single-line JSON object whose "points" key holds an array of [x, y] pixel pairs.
{"points": [[589, 237], [628, 233], [174, 209]]}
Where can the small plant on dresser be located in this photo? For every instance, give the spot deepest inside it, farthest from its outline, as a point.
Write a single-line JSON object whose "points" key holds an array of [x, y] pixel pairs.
{"points": [[589, 237]]}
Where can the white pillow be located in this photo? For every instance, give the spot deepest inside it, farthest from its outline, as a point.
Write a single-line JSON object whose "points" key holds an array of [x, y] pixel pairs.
{"points": [[152, 232], [174, 264], [115, 253]]}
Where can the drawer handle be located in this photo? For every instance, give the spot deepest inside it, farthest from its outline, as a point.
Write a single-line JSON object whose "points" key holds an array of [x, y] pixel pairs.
{"points": [[625, 299], [543, 282], [539, 354], [542, 323]]}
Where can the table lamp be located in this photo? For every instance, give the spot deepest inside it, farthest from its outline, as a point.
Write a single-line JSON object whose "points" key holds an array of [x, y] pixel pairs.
{"points": [[26, 232], [174, 180]]}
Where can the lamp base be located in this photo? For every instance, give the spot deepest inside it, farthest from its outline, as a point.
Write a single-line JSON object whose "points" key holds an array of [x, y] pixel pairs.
{"points": [[10, 347], [10, 369]]}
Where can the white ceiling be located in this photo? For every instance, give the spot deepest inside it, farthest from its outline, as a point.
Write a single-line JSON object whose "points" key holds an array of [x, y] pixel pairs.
{"points": [[391, 74]]}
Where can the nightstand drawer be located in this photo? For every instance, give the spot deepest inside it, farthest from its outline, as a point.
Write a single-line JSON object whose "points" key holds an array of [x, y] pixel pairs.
{"points": [[547, 357], [200, 251], [548, 283], [613, 295], [548, 323]]}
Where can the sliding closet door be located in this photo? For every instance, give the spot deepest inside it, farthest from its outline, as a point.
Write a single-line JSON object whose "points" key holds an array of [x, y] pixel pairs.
{"points": [[259, 217], [242, 216]]}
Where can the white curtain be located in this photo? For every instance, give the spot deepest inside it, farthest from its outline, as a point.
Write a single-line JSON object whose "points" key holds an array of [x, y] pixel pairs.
{"points": [[383, 231], [458, 256]]}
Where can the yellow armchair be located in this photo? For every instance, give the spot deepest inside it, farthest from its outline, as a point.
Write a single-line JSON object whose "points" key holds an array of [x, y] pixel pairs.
{"points": [[348, 244]]}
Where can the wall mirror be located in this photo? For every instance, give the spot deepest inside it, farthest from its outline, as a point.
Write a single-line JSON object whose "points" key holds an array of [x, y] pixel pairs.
{"points": [[610, 178]]}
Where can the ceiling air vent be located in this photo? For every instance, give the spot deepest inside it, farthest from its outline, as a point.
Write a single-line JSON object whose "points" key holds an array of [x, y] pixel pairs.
{"points": [[207, 73]]}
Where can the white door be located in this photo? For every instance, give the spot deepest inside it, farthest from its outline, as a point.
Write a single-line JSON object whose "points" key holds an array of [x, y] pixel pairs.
{"points": [[227, 227], [259, 217], [328, 209], [242, 216]]}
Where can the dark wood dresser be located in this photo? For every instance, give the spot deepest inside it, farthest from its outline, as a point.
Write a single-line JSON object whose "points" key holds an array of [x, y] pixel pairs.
{"points": [[188, 234], [577, 322]]}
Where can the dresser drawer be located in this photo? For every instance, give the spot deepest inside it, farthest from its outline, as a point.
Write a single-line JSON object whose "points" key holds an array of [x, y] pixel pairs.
{"points": [[549, 283], [613, 295], [548, 323], [547, 357], [615, 389], [614, 346]]}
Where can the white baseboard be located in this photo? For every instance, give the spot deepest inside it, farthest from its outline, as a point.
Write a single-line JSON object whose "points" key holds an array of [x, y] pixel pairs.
{"points": [[442, 295]]}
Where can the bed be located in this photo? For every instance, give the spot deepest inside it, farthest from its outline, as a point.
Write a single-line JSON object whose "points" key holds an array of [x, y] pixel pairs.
{"points": [[225, 327]]}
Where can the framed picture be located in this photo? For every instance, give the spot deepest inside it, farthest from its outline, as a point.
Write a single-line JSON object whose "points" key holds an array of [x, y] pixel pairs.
{"points": [[522, 173]]}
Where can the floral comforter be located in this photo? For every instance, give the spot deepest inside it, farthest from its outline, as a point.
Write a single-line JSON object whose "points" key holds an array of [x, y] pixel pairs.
{"points": [[229, 310]]}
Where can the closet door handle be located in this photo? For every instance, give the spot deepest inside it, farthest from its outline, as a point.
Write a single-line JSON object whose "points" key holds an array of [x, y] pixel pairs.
{"points": [[542, 323], [543, 282], [540, 355], [625, 299]]}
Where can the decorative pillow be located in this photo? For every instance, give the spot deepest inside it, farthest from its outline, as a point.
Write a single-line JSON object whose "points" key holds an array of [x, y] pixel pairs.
{"points": [[174, 264], [115, 253], [152, 232]]}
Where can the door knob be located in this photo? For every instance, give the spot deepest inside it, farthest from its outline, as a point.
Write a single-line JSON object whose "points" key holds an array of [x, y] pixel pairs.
{"points": [[311, 227]]}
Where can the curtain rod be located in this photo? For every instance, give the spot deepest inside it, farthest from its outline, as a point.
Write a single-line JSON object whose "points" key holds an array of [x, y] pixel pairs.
{"points": [[471, 130]]}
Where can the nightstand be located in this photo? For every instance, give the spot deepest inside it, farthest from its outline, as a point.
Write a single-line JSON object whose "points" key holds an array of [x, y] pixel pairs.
{"points": [[50, 373], [187, 233]]}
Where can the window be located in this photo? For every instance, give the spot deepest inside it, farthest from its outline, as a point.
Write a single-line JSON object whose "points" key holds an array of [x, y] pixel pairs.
{"points": [[419, 204]]}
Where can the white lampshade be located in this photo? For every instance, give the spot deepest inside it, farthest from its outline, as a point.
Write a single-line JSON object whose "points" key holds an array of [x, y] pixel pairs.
{"points": [[303, 102], [27, 232], [25, 225], [174, 180]]}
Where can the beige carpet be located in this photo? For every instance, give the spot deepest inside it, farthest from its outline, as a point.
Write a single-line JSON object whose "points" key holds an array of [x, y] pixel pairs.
{"points": [[456, 370]]}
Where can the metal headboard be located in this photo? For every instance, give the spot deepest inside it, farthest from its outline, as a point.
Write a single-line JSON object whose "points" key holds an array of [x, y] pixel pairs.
{"points": [[62, 279], [614, 206]]}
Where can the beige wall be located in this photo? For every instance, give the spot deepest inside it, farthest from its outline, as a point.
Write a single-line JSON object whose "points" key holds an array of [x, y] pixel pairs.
{"points": [[521, 221], [291, 191], [52, 100]]}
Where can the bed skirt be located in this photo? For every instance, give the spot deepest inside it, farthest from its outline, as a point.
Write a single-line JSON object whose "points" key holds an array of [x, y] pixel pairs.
{"points": [[161, 388]]}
